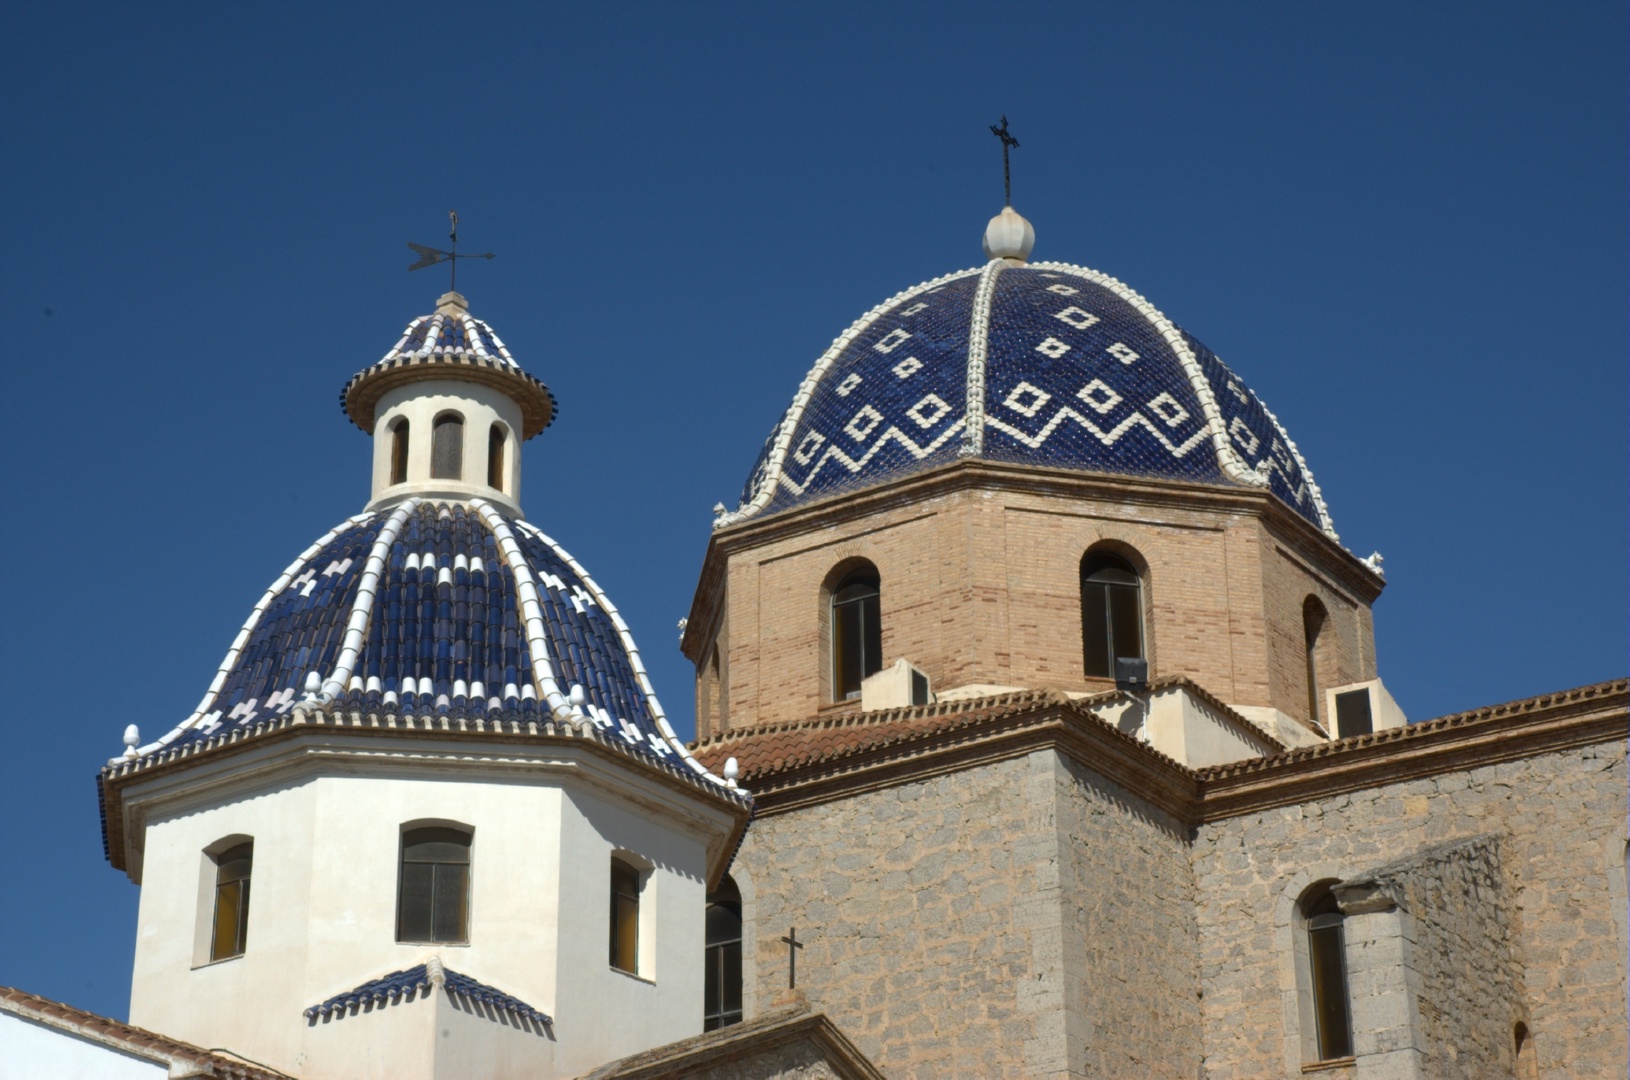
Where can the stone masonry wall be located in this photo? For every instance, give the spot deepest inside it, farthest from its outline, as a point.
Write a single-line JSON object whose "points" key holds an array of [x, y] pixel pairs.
{"points": [[1469, 992], [930, 913], [1131, 954], [1560, 819]]}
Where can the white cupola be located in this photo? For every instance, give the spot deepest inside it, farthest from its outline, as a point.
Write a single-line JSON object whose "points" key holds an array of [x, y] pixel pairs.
{"points": [[448, 408]]}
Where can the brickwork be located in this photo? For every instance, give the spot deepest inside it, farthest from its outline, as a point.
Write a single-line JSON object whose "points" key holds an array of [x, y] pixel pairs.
{"points": [[981, 584], [1561, 822]]}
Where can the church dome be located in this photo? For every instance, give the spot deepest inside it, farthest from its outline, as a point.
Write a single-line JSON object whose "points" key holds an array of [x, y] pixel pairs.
{"points": [[1042, 364], [436, 608]]}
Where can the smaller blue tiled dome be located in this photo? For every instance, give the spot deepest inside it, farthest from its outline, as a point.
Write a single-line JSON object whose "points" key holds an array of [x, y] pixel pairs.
{"points": [[1045, 364], [449, 337], [437, 608]]}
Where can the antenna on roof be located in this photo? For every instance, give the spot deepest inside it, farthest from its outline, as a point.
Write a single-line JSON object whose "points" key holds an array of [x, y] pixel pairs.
{"points": [[429, 256], [1008, 142]]}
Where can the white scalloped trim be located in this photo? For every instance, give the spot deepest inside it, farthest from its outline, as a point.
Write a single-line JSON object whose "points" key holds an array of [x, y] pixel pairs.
{"points": [[248, 628], [630, 648], [789, 422], [973, 434], [362, 605], [526, 590]]}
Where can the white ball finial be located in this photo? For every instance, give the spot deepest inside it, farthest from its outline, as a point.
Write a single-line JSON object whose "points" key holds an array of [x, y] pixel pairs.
{"points": [[731, 769], [132, 740], [1009, 236], [314, 684]]}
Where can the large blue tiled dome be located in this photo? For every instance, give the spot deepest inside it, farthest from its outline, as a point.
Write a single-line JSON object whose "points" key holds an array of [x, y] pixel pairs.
{"points": [[436, 607], [1042, 364]]}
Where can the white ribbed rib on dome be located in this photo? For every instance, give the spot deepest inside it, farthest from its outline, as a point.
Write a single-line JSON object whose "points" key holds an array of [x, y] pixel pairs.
{"points": [[531, 613], [973, 434], [362, 605]]}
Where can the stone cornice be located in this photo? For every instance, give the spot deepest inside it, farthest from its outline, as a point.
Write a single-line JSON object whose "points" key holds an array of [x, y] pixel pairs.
{"points": [[760, 1035], [918, 743], [973, 474]]}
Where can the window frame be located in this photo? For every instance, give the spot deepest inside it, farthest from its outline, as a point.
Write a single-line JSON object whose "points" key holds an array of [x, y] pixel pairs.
{"points": [[628, 914], [449, 418], [239, 890], [1102, 563], [1320, 922], [853, 576], [429, 832], [497, 451], [401, 432], [718, 975]]}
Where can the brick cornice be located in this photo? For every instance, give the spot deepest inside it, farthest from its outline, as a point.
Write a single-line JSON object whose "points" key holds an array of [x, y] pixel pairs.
{"points": [[915, 744]]}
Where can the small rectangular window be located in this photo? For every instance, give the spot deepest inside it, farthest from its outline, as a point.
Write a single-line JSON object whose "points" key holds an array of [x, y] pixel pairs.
{"points": [[230, 930], [625, 917], [1353, 714], [433, 891], [1325, 949]]}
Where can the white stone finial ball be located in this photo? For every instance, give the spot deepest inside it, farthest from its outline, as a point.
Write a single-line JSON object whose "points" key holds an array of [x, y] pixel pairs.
{"points": [[1009, 236], [731, 769], [576, 695], [132, 736]]}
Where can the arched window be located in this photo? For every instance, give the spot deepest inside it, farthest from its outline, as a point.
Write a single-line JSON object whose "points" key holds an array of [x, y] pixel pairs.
{"points": [[625, 917], [1327, 972], [857, 632], [433, 894], [721, 983], [1313, 619], [1111, 613], [399, 451], [447, 447], [229, 933], [495, 457]]}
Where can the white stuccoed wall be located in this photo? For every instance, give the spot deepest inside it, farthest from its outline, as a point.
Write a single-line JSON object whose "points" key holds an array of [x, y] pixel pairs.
{"points": [[420, 403], [323, 905], [31, 1051]]}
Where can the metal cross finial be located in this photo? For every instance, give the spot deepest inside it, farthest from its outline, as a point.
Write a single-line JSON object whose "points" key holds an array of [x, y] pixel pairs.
{"points": [[1008, 142], [793, 945], [429, 256]]}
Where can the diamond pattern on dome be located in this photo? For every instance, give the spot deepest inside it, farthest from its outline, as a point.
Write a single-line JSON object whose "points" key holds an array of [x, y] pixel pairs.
{"points": [[1067, 368], [444, 632], [1109, 346], [891, 402]]}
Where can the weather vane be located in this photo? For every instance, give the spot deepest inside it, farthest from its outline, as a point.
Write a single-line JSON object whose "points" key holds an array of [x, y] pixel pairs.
{"points": [[429, 256], [1008, 142]]}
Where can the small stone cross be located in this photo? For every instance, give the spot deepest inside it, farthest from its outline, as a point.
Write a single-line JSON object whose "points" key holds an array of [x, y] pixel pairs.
{"points": [[793, 945]]}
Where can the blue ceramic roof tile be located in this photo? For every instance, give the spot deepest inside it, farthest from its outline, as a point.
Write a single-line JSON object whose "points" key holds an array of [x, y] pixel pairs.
{"points": [[1046, 364], [445, 630], [420, 979]]}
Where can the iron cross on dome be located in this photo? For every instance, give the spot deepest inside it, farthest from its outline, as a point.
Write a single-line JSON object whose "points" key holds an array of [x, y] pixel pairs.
{"points": [[429, 256], [1008, 143]]}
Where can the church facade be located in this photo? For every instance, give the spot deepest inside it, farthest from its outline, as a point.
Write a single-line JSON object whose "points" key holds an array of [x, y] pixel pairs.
{"points": [[1039, 733]]}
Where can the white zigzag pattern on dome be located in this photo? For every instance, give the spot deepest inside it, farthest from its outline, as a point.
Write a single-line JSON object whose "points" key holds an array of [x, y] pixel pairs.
{"points": [[789, 422], [1232, 463], [854, 465], [1108, 438]]}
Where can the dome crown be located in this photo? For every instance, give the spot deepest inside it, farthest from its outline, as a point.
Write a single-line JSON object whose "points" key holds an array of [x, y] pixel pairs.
{"points": [[1044, 364]]}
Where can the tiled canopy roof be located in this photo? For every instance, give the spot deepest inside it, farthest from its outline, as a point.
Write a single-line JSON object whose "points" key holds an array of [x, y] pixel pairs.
{"points": [[430, 608], [449, 337], [418, 980], [1046, 364]]}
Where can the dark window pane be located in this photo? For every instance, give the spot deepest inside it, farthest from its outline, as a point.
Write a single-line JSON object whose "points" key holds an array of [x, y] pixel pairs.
{"points": [[1126, 620], [857, 634], [447, 448], [231, 912], [871, 621], [713, 971], [495, 457], [723, 924], [730, 979], [413, 907], [440, 845], [399, 451], [848, 649], [1329, 990], [448, 895], [625, 936], [1110, 573], [1095, 630], [1353, 714]]}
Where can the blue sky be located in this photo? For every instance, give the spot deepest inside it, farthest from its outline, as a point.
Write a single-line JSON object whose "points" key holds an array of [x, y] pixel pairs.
{"points": [[1404, 225]]}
